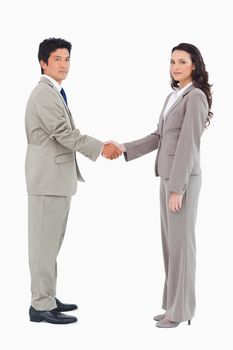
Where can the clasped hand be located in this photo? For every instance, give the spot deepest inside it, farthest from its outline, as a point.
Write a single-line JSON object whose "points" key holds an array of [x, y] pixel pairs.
{"points": [[112, 150]]}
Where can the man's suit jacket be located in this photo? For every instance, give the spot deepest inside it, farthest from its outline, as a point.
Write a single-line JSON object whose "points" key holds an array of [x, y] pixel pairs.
{"points": [[51, 167], [177, 139]]}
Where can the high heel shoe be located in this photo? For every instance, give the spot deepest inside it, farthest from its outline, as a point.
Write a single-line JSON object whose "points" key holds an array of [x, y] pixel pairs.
{"points": [[165, 323]]}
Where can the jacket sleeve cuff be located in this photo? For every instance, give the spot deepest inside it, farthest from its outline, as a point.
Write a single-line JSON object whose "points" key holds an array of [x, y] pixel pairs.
{"points": [[177, 189]]}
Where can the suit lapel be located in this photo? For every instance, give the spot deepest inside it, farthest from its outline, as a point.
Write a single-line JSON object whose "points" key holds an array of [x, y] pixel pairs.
{"points": [[47, 81], [191, 87]]}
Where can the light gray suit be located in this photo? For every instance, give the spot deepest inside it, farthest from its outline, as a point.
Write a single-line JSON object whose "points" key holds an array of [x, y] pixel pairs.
{"points": [[177, 139], [51, 176]]}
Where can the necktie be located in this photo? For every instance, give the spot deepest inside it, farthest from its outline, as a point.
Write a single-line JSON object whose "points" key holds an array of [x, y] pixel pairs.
{"points": [[64, 95]]}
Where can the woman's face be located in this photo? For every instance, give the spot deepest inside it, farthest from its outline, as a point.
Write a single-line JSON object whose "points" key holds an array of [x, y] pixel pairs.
{"points": [[181, 67]]}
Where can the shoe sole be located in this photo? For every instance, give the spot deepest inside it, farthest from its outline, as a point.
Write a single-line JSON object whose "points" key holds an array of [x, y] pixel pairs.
{"points": [[41, 319]]}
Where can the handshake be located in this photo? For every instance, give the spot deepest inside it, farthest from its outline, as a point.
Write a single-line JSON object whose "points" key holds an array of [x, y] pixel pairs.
{"points": [[112, 150]]}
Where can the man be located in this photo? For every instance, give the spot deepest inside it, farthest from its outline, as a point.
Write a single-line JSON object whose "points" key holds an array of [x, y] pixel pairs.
{"points": [[51, 176]]}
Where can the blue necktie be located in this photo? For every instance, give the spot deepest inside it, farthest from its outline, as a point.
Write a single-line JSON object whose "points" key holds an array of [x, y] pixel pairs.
{"points": [[64, 95]]}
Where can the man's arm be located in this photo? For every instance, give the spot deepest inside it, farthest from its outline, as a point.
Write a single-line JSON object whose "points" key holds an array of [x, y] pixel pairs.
{"points": [[51, 114]]}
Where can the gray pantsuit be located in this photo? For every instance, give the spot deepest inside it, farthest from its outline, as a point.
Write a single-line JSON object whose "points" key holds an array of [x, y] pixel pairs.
{"points": [[178, 164], [179, 251], [51, 175]]}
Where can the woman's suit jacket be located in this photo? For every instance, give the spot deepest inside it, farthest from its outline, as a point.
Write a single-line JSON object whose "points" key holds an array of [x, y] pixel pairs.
{"points": [[177, 139]]}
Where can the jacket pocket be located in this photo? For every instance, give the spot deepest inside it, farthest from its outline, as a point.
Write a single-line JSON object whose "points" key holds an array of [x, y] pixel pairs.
{"points": [[64, 158]]}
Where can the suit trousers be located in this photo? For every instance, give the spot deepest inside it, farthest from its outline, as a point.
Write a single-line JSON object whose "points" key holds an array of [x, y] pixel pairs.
{"points": [[179, 251], [47, 218]]}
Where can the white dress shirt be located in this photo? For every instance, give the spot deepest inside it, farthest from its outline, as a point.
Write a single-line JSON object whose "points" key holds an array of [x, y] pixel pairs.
{"points": [[174, 96]]}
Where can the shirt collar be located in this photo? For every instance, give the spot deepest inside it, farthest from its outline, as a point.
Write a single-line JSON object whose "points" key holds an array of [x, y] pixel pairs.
{"points": [[179, 92], [53, 81]]}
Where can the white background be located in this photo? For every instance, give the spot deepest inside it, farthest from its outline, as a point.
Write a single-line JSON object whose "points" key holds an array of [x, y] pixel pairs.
{"points": [[111, 260]]}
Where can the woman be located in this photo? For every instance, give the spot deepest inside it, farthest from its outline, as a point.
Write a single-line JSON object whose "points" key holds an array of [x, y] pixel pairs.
{"points": [[185, 115]]}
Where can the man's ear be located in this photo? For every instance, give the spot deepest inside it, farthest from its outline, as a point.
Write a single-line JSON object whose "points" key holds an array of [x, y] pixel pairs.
{"points": [[43, 64]]}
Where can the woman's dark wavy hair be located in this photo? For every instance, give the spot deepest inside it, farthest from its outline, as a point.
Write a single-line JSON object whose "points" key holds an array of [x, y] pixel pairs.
{"points": [[199, 76]]}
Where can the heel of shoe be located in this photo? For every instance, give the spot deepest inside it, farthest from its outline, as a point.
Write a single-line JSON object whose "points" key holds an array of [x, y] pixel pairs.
{"points": [[189, 322], [36, 318]]}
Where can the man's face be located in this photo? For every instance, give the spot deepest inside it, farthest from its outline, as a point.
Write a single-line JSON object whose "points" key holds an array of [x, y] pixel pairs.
{"points": [[58, 65]]}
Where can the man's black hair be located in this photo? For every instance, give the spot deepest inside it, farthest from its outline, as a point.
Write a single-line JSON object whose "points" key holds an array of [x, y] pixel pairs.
{"points": [[50, 45]]}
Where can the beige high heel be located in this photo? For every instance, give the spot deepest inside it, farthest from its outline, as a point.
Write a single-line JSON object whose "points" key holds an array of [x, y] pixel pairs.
{"points": [[164, 323]]}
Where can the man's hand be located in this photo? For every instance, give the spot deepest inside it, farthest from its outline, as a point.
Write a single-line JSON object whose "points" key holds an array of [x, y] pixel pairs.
{"points": [[175, 202], [110, 151], [119, 145]]}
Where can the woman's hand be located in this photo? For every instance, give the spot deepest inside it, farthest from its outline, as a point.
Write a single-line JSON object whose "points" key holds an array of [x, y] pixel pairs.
{"points": [[175, 201]]}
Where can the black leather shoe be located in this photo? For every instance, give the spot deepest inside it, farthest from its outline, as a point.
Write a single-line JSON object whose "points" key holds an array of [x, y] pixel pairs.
{"points": [[52, 316], [65, 307]]}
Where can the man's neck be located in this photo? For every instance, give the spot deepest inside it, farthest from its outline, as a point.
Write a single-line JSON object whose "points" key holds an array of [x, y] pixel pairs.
{"points": [[53, 81]]}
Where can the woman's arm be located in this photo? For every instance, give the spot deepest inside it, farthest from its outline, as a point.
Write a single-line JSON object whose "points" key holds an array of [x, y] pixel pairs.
{"points": [[188, 145], [140, 147]]}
